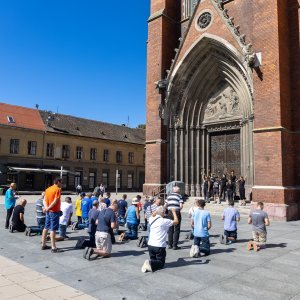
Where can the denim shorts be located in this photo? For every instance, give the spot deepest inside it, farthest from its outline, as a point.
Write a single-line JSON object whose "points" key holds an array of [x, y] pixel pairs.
{"points": [[52, 221]]}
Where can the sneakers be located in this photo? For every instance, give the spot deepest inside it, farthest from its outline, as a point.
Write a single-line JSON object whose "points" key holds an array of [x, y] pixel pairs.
{"points": [[222, 239], [85, 252], [56, 250], [10, 228], [146, 266], [192, 251], [170, 247], [176, 248], [45, 247], [229, 243], [90, 252]]}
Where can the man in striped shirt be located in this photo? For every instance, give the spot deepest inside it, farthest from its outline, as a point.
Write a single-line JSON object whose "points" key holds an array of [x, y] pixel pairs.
{"points": [[174, 200], [151, 209]]}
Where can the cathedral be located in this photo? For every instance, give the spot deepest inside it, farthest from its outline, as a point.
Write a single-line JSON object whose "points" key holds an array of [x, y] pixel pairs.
{"points": [[223, 94]]}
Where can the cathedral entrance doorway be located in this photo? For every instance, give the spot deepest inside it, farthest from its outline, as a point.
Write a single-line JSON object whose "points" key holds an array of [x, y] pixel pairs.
{"points": [[209, 115], [225, 153]]}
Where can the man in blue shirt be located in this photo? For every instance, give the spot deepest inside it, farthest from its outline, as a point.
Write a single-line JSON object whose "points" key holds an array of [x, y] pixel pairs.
{"points": [[201, 222], [230, 217], [107, 199], [86, 206], [122, 208], [10, 202]]}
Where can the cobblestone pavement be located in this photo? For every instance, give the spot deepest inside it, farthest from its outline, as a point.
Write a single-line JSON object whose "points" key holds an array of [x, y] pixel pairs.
{"points": [[230, 272]]}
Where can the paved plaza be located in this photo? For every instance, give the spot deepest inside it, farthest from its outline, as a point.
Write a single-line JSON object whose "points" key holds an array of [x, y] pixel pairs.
{"points": [[230, 272]]}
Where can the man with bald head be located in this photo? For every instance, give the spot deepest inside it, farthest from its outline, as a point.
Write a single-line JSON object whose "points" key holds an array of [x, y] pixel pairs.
{"points": [[18, 221], [174, 202]]}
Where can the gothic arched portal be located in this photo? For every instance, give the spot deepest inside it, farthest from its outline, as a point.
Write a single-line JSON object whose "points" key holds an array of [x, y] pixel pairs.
{"points": [[209, 114]]}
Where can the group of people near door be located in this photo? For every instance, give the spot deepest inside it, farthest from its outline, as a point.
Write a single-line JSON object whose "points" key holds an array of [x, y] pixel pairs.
{"points": [[163, 223], [227, 186]]}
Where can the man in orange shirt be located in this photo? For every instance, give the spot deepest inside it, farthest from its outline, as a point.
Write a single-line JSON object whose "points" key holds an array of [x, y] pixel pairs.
{"points": [[52, 208]]}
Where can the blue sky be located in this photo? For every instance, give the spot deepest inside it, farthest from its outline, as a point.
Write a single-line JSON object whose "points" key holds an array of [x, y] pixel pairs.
{"points": [[81, 57]]}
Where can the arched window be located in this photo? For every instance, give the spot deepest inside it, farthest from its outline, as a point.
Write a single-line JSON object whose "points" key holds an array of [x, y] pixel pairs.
{"points": [[188, 7]]}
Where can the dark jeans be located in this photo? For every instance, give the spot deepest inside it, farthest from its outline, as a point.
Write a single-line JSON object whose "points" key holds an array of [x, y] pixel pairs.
{"points": [[203, 244], [174, 231], [92, 241], [41, 222], [230, 194], [21, 227], [79, 220], [206, 195], [242, 194], [157, 257], [84, 224], [8, 216], [132, 233], [222, 192]]}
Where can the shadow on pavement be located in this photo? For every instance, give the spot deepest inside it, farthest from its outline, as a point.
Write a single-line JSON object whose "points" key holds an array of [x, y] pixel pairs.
{"points": [[181, 262], [281, 245], [218, 251]]}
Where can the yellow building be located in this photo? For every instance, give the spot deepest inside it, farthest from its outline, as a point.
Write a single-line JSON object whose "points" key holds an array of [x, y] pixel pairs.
{"points": [[35, 145]]}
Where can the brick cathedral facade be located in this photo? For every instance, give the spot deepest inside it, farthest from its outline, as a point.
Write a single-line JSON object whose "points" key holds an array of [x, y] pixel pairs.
{"points": [[223, 92]]}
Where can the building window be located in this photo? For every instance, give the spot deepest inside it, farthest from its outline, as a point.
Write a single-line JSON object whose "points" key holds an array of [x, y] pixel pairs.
{"points": [[65, 151], [92, 180], [78, 178], [14, 146], [118, 156], [129, 181], [79, 152], [105, 179], [105, 155], [119, 179], [32, 147], [50, 150], [189, 7], [130, 157], [93, 154], [10, 119]]}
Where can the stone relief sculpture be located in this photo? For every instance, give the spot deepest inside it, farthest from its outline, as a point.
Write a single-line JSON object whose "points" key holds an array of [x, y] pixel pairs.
{"points": [[224, 106]]}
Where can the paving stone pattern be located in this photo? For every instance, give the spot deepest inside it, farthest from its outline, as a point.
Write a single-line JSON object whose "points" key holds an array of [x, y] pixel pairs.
{"points": [[230, 272]]}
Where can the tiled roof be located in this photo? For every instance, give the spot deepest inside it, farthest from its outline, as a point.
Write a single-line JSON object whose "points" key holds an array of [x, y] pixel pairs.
{"points": [[59, 123], [21, 116]]}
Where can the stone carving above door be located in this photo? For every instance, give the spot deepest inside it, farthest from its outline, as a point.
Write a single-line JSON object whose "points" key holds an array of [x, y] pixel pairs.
{"points": [[226, 105]]}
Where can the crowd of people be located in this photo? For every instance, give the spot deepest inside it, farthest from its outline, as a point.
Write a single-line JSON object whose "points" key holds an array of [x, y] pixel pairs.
{"points": [[225, 187], [102, 216]]}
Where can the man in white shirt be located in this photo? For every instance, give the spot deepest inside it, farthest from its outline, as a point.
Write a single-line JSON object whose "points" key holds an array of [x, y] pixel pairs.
{"points": [[158, 239], [67, 211]]}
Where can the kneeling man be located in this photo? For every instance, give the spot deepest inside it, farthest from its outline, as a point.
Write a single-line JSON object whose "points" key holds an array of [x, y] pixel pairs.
{"points": [[157, 243], [18, 221]]}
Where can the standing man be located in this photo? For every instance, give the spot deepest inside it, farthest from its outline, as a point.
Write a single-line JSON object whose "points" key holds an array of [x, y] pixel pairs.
{"points": [[10, 202], [174, 200], [40, 211], [157, 240], [52, 208], [102, 189]]}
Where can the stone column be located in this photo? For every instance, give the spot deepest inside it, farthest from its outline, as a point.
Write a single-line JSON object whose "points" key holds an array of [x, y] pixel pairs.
{"points": [[192, 166], [208, 170], [181, 153], [171, 154], [198, 164], [186, 161]]}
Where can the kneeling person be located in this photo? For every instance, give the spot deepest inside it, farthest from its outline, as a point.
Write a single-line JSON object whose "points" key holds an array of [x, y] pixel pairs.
{"points": [[65, 218], [157, 243], [230, 217], [18, 221], [201, 222], [106, 222]]}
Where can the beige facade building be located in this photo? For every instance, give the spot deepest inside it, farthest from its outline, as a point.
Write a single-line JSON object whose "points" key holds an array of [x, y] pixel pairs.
{"points": [[35, 145]]}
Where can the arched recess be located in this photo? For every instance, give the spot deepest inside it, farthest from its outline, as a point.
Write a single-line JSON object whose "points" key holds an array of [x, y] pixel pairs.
{"points": [[209, 95]]}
